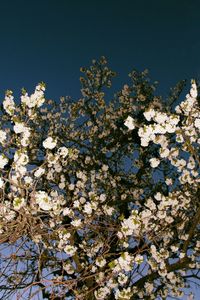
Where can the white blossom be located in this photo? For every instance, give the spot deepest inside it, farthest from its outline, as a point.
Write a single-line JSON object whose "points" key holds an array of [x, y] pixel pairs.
{"points": [[149, 114], [2, 136], [9, 104], [3, 161], [1, 183], [63, 151], [100, 262], [76, 223], [197, 123], [19, 127], [154, 162], [43, 200], [70, 250], [130, 123], [18, 202], [40, 171], [49, 143], [36, 99], [122, 278]]}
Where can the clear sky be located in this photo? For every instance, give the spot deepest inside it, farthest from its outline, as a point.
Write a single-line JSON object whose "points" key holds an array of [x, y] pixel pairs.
{"points": [[49, 40]]}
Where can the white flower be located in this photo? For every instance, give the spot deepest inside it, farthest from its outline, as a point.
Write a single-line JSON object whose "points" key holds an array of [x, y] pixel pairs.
{"points": [[149, 287], [49, 143], [191, 163], [76, 204], [61, 185], [131, 224], [162, 140], [174, 119], [10, 215], [68, 268], [138, 259], [76, 223], [164, 152], [3, 161], [149, 114], [104, 168], [1, 183], [154, 162], [129, 122], [28, 180], [158, 196], [193, 90], [160, 117], [144, 142], [19, 127], [102, 293], [87, 208], [108, 210], [40, 171], [70, 250], [100, 262], [122, 278], [63, 151], [82, 200], [37, 238], [20, 158], [21, 170], [68, 212], [71, 186], [25, 99], [124, 294], [160, 128], [150, 204], [181, 255], [102, 197], [2, 136], [25, 137], [18, 203], [125, 261], [36, 99], [9, 104], [170, 127], [168, 181], [43, 200], [197, 123]]}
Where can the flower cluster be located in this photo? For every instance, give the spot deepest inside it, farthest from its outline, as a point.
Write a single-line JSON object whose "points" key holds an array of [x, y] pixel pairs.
{"points": [[93, 208], [36, 99]]}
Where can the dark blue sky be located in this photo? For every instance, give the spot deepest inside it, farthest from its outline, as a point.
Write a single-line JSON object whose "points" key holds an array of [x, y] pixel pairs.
{"points": [[50, 40]]}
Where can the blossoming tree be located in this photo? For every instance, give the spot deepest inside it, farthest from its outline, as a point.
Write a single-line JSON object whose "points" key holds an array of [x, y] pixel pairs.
{"points": [[100, 199]]}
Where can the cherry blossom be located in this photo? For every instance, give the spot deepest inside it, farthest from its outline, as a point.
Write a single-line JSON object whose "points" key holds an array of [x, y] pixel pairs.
{"points": [[100, 199]]}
